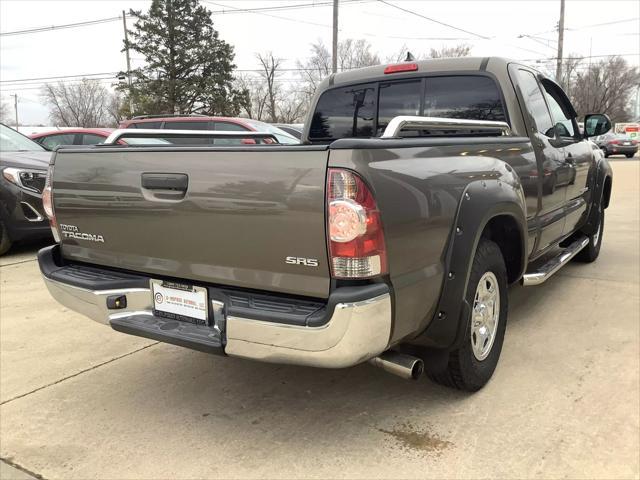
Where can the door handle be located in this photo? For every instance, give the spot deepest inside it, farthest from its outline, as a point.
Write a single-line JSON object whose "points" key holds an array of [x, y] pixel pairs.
{"points": [[165, 181]]}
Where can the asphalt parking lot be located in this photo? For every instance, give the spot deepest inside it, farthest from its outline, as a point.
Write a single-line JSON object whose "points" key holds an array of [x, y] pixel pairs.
{"points": [[78, 400]]}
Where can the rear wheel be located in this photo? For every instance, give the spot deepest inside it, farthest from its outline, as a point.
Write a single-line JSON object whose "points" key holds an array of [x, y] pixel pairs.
{"points": [[629, 155], [5, 241], [471, 365]]}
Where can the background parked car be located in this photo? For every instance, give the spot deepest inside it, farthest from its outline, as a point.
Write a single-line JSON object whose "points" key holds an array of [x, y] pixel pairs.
{"points": [[294, 129], [617, 144], [201, 122], [77, 136], [23, 168]]}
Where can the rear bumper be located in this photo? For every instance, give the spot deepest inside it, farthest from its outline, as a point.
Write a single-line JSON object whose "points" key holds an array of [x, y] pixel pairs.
{"points": [[621, 149], [355, 332]]}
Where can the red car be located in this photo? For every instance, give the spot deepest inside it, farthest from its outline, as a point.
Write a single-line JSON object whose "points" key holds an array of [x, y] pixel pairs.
{"points": [[71, 136], [201, 122]]}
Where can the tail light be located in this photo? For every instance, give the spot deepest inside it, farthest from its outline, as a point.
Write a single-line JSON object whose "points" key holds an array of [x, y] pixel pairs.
{"points": [[47, 204], [356, 239], [614, 142]]}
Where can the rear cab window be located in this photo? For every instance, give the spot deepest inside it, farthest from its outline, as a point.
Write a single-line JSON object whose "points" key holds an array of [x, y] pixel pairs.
{"points": [[360, 110]]}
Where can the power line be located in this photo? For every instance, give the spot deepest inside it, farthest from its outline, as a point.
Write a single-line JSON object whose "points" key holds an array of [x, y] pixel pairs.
{"points": [[433, 20], [581, 57], [583, 27], [58, 77], [60, 27], [278, 7]]}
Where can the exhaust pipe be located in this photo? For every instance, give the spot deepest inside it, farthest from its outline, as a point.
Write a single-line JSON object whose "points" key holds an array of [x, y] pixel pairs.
{"points": [[401, 364]]}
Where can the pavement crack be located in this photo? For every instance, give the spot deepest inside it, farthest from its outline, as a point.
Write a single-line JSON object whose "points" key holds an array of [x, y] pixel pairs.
{"points": [[18, 263], [78, 373], [9, 461]]}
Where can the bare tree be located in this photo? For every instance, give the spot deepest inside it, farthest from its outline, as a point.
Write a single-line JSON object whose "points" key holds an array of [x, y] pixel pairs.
{"points": [[605, 87], [84, 104], [315, 69], [460, 50], [570, 66], [351, 54], [117, 109], [5, 112], [255, 106], [293, 107], [270, 73]]}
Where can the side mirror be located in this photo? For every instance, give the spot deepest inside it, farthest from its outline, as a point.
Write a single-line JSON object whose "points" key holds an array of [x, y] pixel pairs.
{"points": [[596, 124]]}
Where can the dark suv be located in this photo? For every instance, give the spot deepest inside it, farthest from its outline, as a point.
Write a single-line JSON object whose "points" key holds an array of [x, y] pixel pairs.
{"points": [[23, 165]]}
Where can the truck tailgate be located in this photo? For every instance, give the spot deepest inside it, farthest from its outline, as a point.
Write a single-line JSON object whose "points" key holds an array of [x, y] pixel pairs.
{"points": [[226, 216]]}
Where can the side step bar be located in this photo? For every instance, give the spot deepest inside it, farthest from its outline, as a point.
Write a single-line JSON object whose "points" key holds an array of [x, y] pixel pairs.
{"points": [[546, 270]]}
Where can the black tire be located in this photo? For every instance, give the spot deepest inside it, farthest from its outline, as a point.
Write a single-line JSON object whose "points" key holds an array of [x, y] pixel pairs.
{"points": [[606, 154], [591, 252], [5, 241], [463, 370], [629, 155]]}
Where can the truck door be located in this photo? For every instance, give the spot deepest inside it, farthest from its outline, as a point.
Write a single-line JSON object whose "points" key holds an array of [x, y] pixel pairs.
{"points": [[553, 173], [578, 155]]}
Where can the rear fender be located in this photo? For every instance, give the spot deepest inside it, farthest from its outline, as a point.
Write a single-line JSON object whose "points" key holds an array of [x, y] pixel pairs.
{"points": [[482, 201]]}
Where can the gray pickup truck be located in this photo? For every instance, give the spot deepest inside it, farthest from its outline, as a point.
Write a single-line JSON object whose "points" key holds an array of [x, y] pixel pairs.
{"points": [[420, 192]]}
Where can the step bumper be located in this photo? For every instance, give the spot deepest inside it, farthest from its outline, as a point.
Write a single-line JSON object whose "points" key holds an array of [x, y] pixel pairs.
{"points": [[356, 331]]}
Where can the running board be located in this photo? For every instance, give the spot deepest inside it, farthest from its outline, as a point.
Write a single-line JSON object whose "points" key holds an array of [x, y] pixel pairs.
{"points": [[546, 270]]}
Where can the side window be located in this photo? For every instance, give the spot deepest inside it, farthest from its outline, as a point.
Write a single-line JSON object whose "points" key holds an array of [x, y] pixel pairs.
{"points": [[186, 125], [90, 139], [469, 97], [563, 123], [229, 127], [61, 139], [151, 125], [535, 103], [344, 112], [397, 98]]}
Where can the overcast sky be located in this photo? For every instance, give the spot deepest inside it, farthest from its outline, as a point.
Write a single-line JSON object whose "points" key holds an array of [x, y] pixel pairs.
{"points": [[596, 27]]}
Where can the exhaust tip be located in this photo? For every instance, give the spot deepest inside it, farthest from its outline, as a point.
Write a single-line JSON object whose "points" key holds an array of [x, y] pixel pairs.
{"points": [[417, 370], [400, 364]]}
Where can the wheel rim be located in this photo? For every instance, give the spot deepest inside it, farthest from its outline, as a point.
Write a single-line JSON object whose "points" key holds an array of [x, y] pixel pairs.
{"points": [[485, 315]]}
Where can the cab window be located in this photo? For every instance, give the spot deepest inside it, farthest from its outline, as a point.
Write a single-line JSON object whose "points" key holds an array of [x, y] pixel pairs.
{"points": [[535, 103], [345, 112], [563, 123]]}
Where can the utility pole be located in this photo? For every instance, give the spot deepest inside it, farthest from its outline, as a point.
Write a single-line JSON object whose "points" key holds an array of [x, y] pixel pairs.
{"points": [[560, 41], [126, 49], [334, 55], [15, 105]]}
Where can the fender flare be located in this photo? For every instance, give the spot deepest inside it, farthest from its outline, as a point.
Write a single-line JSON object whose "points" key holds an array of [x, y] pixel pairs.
{"points": [[603, 171], [481, 201]]}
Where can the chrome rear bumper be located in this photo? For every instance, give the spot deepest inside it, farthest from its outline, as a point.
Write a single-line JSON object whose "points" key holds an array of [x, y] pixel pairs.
{"points": [[356, 331]]}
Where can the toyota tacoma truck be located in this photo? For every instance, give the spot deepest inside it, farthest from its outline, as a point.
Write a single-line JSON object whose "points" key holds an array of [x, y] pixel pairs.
{"points": [[420, 192]]}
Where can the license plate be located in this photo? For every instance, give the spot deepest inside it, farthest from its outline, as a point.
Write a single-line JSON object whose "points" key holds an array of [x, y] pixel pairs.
{"points": [[627, 143], [186, 303]]}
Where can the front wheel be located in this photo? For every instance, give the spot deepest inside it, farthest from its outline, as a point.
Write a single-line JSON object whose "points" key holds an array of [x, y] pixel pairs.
{"points": [[471, 365], [589, 253], [629, 155]]}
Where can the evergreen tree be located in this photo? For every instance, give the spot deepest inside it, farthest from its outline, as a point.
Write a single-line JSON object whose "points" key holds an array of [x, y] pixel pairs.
{"points": [[188, 67]]}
